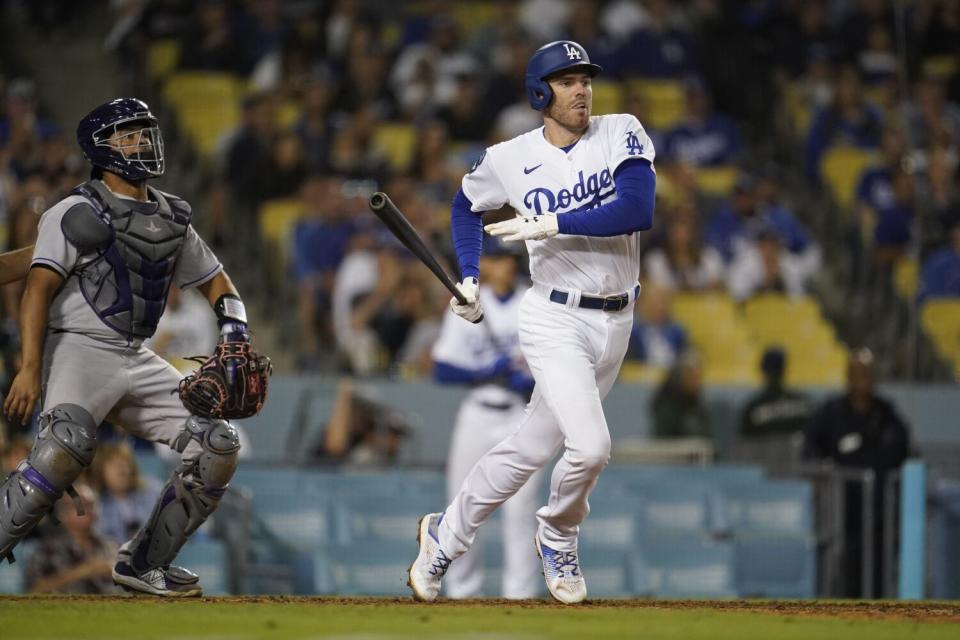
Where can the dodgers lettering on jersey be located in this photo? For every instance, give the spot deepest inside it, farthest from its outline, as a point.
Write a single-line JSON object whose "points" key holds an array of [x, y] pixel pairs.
{"points": [[535, 177]]}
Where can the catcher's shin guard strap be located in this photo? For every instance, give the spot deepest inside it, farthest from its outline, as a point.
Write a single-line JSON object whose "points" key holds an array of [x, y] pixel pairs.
{"points": [[192, 493], [64, 448]]}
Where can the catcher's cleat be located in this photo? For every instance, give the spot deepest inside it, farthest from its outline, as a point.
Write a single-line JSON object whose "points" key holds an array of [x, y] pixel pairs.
{"points": [[424, 575], [170, 582], [561, 571]]}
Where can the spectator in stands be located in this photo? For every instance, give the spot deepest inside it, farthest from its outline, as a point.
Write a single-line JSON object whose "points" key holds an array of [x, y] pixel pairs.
{"points": [[878, 60], [431, 157], [941, 270], [76, 559], [248, 152], [932, 121], [775, 410], [765, 266], [848, 120], [185, 329], [662, 47], [801, 33], [313, 125], [447, 58], [656, 339], [365, 86], [705, 138], [23, 129], [860, 430], [320, 240], [682, 262], [465, 115], [361, 431], [939, 197], [287, 167], [126, 498], [210, 42], [677, 407]]}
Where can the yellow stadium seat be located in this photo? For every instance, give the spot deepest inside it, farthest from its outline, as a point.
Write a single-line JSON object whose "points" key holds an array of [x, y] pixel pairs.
{"points": [[206, 104], [906, 277], [716, 181], [940, 318], [471, 16], [163, 56], [397, 140], [277, 218], [665, 101], [841, 168], [798, 110], [940, 66], [607, 97]]}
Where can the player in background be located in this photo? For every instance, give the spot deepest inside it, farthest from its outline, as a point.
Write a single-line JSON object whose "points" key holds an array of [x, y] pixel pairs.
{"points": [[582, 186], [103, 263], [487, 357]]}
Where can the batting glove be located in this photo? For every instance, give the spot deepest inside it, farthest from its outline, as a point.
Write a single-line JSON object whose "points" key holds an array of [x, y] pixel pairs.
{"points": [[470, 311], [539, 227]]}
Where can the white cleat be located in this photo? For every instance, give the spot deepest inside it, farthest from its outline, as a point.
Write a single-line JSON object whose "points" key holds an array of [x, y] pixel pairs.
{"points": [[431, 564], [561, 571]]}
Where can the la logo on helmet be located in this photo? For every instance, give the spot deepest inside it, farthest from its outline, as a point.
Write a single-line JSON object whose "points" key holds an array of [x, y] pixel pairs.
{"points": [[572, 52]]}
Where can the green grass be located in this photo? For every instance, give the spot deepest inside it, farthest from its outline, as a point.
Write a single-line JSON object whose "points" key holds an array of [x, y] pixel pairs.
{"points": [[296, 618]]}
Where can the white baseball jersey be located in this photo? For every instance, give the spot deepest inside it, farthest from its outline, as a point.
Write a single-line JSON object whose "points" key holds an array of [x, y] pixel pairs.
{"points": [[535, 177]]}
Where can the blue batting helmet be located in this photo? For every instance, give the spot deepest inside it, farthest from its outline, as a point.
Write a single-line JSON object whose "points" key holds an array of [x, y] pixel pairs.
{"points": [[548, 60], [136, 154]]}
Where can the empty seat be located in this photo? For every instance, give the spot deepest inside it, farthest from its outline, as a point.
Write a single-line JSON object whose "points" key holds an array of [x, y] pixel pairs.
{"points": [[776, 565], [397, 141], [941, 320], [841, 168], [370, 569], [784, 506], [664, 100], [607, 97], [206, 105], [373, 519], [683, 566]]}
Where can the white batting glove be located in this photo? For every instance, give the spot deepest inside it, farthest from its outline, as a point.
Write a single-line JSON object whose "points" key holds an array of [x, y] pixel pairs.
{"points": [[539, 227], [471, 311]]}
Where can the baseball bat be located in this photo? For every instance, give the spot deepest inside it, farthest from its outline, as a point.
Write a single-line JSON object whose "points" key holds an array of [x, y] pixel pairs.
{"points": [[384, 208]]}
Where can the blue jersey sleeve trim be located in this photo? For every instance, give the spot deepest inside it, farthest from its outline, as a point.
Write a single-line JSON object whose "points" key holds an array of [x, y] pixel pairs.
{"points": [[466, 228], [636, 185]]}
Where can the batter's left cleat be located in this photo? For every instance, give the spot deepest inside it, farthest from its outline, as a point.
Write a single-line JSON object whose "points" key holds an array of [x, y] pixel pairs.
{"points": [[561, 571], [424, 575]]}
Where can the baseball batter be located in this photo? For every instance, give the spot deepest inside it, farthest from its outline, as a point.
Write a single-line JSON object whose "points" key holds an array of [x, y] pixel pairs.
{"points": [[102, 265], [488, 358], [582, 187]]}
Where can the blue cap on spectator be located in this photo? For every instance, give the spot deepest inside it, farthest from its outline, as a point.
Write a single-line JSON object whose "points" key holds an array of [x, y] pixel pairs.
{"points": [[492, 246]]}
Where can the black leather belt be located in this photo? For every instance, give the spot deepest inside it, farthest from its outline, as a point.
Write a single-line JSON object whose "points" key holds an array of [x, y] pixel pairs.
{"points": [[608, 303]]}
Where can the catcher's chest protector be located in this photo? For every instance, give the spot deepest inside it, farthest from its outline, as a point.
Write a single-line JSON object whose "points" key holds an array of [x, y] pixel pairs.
{"points": [[127, 284]]}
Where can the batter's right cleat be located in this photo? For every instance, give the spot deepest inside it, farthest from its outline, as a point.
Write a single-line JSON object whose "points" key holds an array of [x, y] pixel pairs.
{"points": [[424, 575], [172, 582], [561, 571]]}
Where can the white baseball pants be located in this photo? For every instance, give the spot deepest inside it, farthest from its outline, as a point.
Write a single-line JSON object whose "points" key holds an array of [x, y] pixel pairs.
{"points": [[574, 355]]}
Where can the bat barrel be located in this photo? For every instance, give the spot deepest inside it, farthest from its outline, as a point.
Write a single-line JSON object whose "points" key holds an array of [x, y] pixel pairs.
{"points": [[378, 201]]}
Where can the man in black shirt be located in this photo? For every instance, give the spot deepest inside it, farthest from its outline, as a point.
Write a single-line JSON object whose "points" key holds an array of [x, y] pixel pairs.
{"points": [[775, 410], [860, 430]]}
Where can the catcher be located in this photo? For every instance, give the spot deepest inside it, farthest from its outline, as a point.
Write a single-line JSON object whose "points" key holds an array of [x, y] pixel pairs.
{"points": [[103, 262]]}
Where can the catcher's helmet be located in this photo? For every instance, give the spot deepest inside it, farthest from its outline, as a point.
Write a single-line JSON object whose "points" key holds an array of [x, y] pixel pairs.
{"points": [[135, 155], [549, 59]]}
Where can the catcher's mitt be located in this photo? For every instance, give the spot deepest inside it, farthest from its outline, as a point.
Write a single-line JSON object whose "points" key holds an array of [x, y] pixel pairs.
{"points": [[232, 383]]}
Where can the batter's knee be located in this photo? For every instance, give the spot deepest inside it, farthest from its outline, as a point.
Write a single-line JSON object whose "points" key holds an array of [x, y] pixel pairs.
{"points": [[592, 456]]}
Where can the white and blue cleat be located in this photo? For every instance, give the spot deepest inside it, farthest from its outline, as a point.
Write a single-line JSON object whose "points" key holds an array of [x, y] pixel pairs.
{"points": [[431, 564], [561, 572]]}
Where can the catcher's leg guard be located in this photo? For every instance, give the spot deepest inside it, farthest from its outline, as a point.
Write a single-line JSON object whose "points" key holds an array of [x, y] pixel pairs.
{"points": [[209, 449], [65, 447]]}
